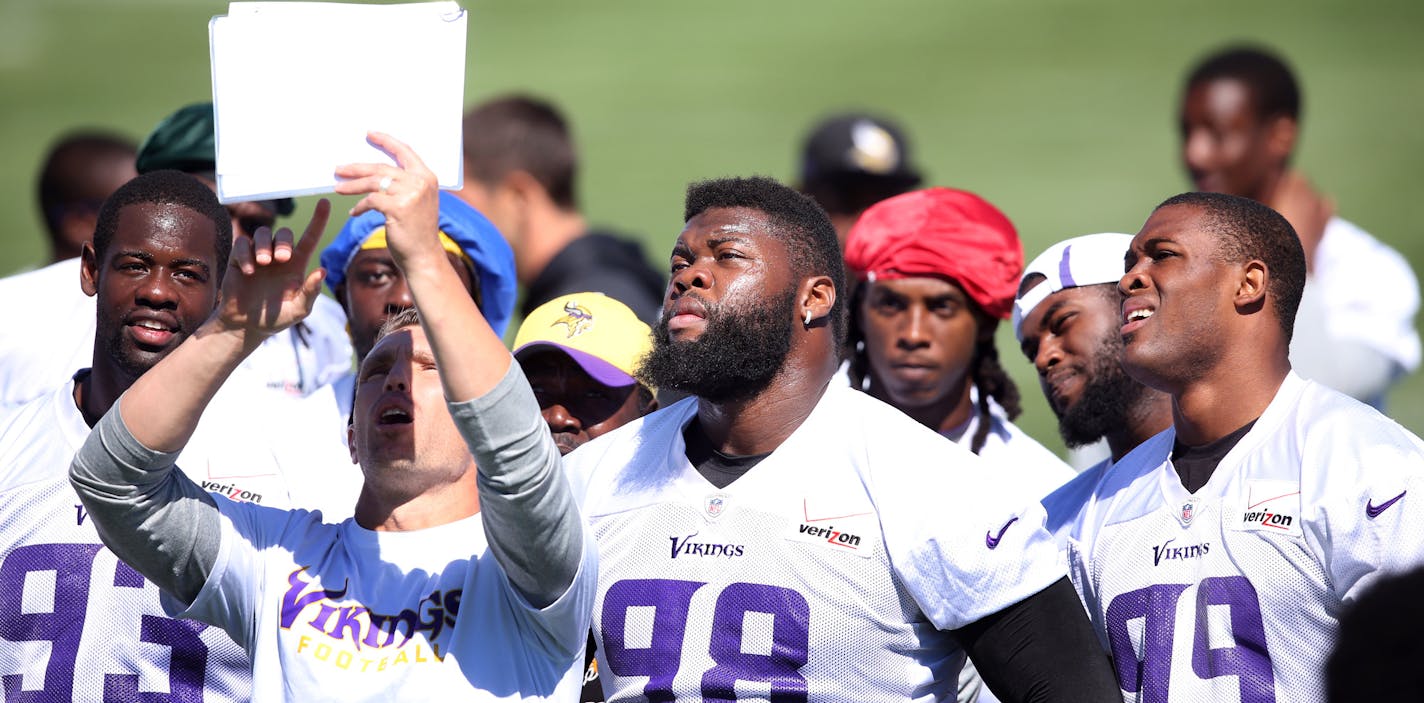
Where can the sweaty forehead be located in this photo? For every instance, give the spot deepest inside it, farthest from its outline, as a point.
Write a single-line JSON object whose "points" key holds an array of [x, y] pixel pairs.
{"points": [[731, 221], [141, 226], [1171, 222]]}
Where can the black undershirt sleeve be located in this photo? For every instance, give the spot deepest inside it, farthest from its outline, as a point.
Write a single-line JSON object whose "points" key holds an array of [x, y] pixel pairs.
{"points": [[1041, 649]]}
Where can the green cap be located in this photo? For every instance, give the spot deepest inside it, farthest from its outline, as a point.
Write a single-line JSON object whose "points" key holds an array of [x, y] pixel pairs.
{"points": [[184, 141]]}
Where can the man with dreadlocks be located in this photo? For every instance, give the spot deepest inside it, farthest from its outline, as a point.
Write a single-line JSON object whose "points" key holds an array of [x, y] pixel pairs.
{"points": [[937, 270]]}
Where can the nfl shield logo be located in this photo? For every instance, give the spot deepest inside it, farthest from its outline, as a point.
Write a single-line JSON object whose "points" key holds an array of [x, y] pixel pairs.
{"points": [[1189, 510], [715, 505]]}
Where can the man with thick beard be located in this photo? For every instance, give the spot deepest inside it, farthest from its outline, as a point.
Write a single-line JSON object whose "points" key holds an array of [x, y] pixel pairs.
{"points": [[780, 537], [1066, 318]]}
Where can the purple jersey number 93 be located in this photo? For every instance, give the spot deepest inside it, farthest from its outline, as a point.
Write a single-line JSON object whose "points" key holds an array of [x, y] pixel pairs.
{"points": [[61, 623]]}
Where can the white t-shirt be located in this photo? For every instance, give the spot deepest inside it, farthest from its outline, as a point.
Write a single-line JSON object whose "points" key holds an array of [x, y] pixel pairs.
{"points": [[1020, 456], [317, 435], [324, 413], [44, 352], [829, 571], [1370, 291], [1355, 327], [75, 622], [339, 612], [1233, 593]]}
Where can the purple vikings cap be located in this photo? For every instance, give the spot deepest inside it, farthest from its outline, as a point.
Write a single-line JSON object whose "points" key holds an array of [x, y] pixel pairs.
{"points": [[1088, 260]]}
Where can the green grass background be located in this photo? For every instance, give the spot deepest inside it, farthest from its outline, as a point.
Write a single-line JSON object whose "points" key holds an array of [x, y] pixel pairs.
{"points": [[1060, 112]]}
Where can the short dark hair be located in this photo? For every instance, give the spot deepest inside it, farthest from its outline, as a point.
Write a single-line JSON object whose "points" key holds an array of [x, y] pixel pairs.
{"points": [[1249, 230], [169, 188], [73, 173], [1274, 91], [522, 133], [805, 228]]}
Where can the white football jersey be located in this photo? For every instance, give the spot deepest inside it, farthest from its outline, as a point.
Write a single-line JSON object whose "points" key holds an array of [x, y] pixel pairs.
{"points": [[829, 571], [338, 612], [76, 624], [1233, 593], [44, 354], [1020, 456], [259, 447]]}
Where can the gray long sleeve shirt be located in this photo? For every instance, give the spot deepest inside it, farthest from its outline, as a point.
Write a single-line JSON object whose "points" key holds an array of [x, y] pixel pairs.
{"points": [[168, 529]]}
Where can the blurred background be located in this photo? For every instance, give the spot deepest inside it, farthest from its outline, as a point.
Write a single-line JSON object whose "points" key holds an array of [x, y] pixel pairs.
{"points": [[1061, 112]]}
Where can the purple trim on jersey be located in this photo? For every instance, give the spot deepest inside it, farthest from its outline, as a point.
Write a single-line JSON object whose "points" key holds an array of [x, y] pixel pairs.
{"points": [[1065, 270]]}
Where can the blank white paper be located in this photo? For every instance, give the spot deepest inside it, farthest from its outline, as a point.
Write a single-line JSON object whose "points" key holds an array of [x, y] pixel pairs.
{"points": [[297, 85]]}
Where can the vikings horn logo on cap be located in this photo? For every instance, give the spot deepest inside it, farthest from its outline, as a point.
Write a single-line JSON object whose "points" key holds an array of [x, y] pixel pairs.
{"points": [[577, 319]]}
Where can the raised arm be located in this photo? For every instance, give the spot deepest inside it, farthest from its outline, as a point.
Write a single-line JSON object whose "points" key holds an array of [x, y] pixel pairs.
{"points": [[471, 357], [155, 518], [528, 509]]}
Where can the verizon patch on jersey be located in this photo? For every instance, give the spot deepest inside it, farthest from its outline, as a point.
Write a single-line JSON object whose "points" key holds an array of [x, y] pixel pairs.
{"points": [[838, 527], [1272, 507]]}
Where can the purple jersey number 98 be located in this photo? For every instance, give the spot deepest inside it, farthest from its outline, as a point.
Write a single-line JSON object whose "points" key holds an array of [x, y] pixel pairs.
{"points": [[671, 600]]}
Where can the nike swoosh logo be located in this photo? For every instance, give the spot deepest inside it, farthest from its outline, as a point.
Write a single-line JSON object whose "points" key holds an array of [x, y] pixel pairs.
{"points": [[992, 541], [1374, 511]]}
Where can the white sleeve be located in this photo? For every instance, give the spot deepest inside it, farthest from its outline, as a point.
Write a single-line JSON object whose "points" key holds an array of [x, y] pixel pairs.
{"points": [[964, 544], [1373, 512]]}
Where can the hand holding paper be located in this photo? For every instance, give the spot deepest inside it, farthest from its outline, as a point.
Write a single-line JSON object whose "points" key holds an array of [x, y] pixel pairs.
{"points": [[406, 194]]}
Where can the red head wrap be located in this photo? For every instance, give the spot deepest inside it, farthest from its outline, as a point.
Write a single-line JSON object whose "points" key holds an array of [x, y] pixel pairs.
{"points": [[940, 233]]}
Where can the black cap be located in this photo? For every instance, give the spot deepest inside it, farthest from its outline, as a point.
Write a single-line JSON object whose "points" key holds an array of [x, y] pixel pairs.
{"points": [[857, 145], [184, 141]]}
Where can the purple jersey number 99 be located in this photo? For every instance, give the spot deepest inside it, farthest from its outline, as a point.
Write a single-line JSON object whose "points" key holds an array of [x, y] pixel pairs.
{"points": [[671, 600], [1247, 658], [62, 625]]}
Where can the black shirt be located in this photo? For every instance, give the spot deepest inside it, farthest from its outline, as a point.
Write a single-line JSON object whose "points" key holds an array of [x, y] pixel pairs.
{"points": [[1195, 465], [719, 469], [599, 262]]}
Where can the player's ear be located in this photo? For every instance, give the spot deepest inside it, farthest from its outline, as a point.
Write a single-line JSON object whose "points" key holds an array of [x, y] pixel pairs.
{"points": [[1280, 140], [1251, 286], [815, 299], [88, 269], [351, 441], [522, 183]]}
